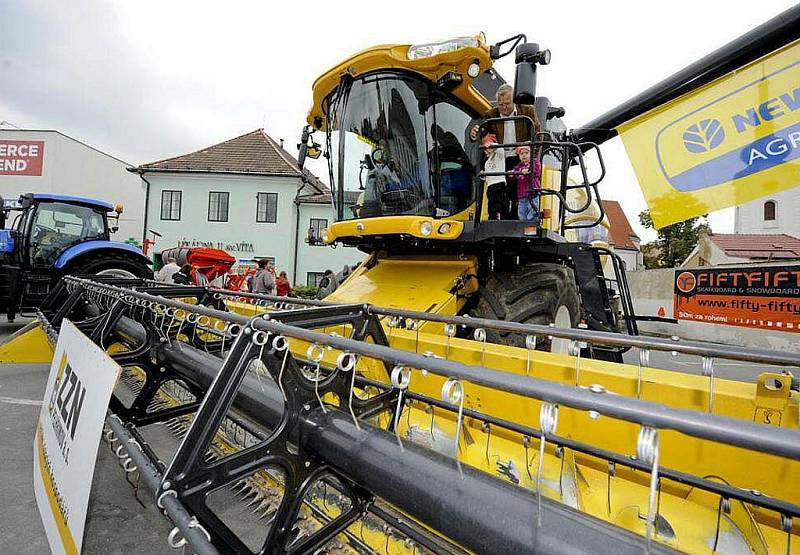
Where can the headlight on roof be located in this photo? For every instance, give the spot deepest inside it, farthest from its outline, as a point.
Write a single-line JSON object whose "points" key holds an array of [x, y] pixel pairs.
{"points": [[417, 51]]}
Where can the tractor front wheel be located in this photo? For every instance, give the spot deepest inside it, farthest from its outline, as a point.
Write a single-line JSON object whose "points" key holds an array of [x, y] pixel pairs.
{"points": [[118, 266]]}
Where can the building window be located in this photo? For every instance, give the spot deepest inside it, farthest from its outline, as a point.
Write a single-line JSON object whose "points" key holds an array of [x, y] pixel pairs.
{"points": [[170, 205], [769, 211], [315, 228], [217, 207], [267, 208], [313, 278]]}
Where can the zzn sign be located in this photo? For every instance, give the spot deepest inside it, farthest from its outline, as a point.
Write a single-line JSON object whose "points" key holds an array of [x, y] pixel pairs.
{"points": [[66, 402], [735, 140], [79, 387]]}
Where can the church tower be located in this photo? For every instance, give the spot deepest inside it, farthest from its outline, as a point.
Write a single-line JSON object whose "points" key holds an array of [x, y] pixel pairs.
{"points": [[777, 213]]}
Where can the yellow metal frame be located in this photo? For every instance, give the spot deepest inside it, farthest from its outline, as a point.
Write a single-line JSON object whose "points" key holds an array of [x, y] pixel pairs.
{"points": [[395, 225], [395, 56], [581, 480], [27, 345]]}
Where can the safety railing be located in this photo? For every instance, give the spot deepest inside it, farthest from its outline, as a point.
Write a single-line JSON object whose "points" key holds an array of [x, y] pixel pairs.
{"points": [[567, 153]]}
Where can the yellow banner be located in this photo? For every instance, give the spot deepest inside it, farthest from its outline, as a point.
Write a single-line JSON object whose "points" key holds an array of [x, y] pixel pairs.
{"points": [[732, 141]]}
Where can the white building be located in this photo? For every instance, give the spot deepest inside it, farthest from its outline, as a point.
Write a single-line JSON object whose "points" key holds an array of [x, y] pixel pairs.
{"points": [[33, 161], [719, 249], [248, 197], [777, 213]]}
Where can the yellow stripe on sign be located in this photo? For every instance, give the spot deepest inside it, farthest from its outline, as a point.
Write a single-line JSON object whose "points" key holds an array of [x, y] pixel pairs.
{"points": [[731, 141], [63, 529]]}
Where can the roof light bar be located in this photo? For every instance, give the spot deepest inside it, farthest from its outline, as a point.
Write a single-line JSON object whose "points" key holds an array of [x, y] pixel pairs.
{"points": [[417, 51]]}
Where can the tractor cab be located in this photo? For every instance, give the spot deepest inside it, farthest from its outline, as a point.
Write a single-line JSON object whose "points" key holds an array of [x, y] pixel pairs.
{"points": [[409, 136], [43, 226], [44, 236]]}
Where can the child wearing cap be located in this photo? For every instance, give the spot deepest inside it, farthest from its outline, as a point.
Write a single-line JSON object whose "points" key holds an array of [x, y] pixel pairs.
{"points": [[528, 206]]}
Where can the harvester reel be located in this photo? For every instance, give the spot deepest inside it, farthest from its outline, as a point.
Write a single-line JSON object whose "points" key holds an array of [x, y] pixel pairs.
{"points": [[278, 423], [194, 478]]}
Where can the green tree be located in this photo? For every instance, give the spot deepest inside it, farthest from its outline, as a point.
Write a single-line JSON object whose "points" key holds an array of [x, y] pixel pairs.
{"points": [[675, 242], [133, 242]]}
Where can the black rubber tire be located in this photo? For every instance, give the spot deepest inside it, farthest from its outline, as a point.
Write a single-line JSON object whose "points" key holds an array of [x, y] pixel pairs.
{"points": [[531, 294], [95, 263]]}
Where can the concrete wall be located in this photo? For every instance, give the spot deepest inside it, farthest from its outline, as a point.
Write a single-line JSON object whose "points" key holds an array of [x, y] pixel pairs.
{"points": [[652, 289], [73, 168]]}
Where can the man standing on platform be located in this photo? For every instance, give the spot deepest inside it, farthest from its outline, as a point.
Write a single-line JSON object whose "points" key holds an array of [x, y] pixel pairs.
{"points": [[511, 131]]}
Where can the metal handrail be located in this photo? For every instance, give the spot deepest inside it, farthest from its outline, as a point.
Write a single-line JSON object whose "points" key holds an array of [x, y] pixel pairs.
{"points": [[673, 344], [569, 151], [731, 431]]}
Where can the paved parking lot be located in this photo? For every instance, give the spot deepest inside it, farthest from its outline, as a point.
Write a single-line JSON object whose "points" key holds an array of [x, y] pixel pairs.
{"points": [[116, 523]]}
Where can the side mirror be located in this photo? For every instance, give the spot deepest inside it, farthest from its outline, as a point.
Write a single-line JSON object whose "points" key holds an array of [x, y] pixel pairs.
{"points": [[307, 147], [314, 151], [555, 112], [528, 56]]}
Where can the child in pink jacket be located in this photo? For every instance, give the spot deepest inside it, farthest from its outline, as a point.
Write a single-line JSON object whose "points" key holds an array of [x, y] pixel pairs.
{"points": [[528, 206]]}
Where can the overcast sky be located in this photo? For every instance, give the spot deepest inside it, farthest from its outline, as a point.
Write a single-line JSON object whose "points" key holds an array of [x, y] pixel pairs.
{"points": [[146, 80]]}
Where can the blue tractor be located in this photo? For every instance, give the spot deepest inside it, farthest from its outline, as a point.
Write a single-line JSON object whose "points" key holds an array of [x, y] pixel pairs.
{"points": [[46, 236]]}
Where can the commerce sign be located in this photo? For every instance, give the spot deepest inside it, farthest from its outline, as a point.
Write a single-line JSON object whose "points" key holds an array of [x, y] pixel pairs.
{"points": [[21, 157], [756, 297], [81, 380]]}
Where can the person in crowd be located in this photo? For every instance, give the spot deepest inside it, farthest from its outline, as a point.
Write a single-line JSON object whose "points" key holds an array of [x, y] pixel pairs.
{"points": [[512, 131], [327, 284], [282, 285], [264, 281], [527, 184], [183, 276], [166, 272]]}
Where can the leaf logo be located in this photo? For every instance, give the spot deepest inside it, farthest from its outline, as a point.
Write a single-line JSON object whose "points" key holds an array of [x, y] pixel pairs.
{"points": [[704, 136]]}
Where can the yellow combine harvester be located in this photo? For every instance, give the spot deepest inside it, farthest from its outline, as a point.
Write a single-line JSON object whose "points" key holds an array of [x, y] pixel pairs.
{"points": [[416, 409]]}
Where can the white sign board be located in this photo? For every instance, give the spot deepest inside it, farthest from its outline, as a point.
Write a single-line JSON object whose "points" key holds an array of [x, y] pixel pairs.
{"points": [[81, 380]]}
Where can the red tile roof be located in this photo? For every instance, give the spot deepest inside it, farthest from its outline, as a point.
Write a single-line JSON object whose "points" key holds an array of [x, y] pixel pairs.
{"points": [[252, 153], [621, 234], [758, 246]]}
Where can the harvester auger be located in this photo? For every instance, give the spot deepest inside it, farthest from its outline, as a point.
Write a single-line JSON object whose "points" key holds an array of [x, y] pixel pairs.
{"points": [[313, 427]]}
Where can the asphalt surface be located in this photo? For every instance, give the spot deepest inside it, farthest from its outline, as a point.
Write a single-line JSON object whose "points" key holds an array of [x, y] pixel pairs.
{"points": [[116, 522]]}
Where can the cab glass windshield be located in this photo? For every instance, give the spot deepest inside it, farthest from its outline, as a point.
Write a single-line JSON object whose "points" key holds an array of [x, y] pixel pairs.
{"points": [[397, 146]]}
